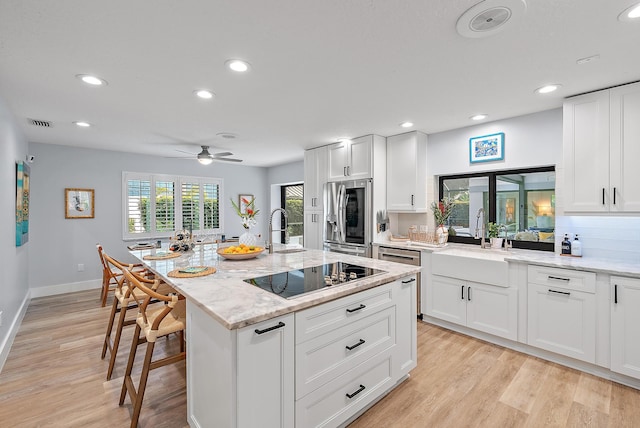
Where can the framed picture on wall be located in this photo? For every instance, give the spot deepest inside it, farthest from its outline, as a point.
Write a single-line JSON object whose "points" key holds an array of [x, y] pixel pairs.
{"points": [[79, 203], [243, 202], [486, 148]]}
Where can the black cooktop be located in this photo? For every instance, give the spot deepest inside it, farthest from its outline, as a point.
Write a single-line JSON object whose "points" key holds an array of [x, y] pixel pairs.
{"points": [[301, 281]]}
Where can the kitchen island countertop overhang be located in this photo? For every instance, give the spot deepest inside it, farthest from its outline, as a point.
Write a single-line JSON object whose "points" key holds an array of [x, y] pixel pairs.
{"points": [[235, 304]]}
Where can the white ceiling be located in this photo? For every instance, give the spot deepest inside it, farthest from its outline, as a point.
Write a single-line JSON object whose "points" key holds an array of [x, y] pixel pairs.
{"points": [[321, 69]]}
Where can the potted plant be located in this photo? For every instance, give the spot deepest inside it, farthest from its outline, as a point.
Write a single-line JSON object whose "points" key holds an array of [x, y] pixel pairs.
{"points": [[441, 212], [493, 230]]}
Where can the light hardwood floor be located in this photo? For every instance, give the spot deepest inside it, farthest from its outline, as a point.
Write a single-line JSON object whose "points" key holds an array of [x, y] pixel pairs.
{"points": [[54, 378]]}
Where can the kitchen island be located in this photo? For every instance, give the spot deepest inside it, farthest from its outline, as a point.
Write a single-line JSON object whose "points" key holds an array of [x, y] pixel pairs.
{"points": [[257, 359]]}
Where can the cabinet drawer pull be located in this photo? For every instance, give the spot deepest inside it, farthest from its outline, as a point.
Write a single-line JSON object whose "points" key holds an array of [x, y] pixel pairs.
{"points": [[352, 347], [411, 200], [358, 391], [279, 325], [356, 309], [615, 293], [603, 196], [566, 293], [462, 291], [614, 196], [469, 293], [408, 281], [558, 278]]}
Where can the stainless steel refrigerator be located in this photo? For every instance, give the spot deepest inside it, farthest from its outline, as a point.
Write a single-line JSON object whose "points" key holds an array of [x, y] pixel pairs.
{"points": [[348, 217]]}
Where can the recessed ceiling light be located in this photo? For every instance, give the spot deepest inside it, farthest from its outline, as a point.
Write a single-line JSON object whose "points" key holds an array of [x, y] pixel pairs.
{"points": [[204, 94], [632, 13], [238, 65], [91, 80], [478, 117], [406, 124], [548, 88], [82, 124]]}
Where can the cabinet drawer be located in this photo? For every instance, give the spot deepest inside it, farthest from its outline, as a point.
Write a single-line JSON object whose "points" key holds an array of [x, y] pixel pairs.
{"points": [[318, 320], [562, 278], [330, 405], [326, 357]]}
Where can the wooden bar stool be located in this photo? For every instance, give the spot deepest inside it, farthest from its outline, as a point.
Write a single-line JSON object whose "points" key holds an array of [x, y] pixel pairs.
{"points": [[153, 322], [125, 296], [110, 276]]}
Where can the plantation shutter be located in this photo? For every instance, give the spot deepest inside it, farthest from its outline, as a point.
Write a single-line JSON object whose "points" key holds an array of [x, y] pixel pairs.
{"points": [[211, 205], [138, 206], [191, 206], [164, 207]]}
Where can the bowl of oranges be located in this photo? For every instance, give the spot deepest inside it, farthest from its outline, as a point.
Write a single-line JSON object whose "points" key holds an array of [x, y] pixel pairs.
{"points": [[240, 252]]}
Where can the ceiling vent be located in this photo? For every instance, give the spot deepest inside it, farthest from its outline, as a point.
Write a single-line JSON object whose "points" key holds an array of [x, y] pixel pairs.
{"points": [[488, 17], [227, 135], [42, 123]]}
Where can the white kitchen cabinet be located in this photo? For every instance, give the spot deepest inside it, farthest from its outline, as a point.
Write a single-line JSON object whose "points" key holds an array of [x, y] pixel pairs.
{"points": [[625, 326], [600, 136], [562, 312], [240, 378], [483, 307], [315, 176], [350, 351], [351, 160], [406, 172]]}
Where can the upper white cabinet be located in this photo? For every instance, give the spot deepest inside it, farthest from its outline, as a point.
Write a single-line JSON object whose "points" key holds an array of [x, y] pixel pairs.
{"points": [[601, 147], [625, 326], [351, 159], [406, 172], [315, 175]]}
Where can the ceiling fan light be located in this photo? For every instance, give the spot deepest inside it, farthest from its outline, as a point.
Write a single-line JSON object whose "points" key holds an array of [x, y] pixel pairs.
{"points": [[205, 161]]}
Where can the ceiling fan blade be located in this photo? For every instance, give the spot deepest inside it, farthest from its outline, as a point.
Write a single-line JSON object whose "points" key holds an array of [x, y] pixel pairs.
{"points": [[221, 154], [182, 151], [227, 159]]}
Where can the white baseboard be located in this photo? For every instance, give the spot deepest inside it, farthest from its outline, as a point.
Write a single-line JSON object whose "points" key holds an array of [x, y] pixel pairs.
{"points": [[52, 290], [5, 347]]}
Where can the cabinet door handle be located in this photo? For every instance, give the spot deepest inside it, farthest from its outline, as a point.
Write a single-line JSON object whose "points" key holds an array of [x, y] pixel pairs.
{"points": [[603, 196], [614, 196], [358, 391], [566, 293], [615, 294], [348, 171], [412, 201], [462, 291], [356, 309], [469, 293], [408, 281], [558, 278], [352, 347], [279, 325]]}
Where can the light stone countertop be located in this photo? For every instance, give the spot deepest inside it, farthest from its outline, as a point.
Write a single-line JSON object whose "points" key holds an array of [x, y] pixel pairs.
{"points": [[540, 258], [235, 304]]}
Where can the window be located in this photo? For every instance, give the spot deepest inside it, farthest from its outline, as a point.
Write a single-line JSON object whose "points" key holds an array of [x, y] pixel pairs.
{"points": [[157, 205], [522, 201], [291, 201]]}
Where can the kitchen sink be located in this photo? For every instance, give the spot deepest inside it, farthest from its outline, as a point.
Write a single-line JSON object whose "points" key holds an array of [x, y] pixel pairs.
{"points": [[290, 250]]}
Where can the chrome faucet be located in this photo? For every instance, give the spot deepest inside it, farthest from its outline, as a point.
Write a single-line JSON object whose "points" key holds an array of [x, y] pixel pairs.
{"points": [[286, 232], [483, 243], [507, 243]]}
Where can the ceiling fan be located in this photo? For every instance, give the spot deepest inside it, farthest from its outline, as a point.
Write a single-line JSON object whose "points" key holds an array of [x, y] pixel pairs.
{"points": [[205, 157]]}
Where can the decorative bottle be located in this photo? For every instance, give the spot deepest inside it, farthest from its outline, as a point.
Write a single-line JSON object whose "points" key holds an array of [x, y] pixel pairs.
{"points": [[576, 247], [566, 245]]}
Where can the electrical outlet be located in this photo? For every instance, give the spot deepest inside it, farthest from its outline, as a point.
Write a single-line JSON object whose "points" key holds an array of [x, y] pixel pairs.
{"points": [[80, 267]]}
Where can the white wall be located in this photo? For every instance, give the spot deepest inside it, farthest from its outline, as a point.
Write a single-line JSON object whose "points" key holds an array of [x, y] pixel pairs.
{"points": [[58, 245], [14, 277]]}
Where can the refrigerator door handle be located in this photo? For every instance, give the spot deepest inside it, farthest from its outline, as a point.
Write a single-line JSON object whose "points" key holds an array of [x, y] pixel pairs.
{"points": [[342, 215]]}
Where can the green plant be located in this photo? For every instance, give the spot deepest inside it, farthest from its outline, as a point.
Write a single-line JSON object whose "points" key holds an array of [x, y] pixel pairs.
{"points": [[442, 210], [493, 229]]}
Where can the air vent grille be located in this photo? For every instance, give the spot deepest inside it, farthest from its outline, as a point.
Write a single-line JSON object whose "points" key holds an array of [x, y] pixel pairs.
{"points": [[42, 123]]}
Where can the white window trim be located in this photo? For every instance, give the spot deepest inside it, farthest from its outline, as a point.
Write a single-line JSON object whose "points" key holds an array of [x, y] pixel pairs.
{"points": [[178, 182]]}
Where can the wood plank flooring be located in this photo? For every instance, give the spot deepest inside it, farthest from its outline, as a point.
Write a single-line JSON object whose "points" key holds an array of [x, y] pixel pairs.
{"points": [[54, 377]]}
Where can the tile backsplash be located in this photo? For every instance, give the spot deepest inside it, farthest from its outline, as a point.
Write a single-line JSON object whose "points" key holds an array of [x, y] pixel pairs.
{"points": [[616, 238]]}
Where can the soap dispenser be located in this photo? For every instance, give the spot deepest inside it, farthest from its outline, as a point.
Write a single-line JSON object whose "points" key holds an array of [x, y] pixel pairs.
{"points": [[576, 247], [566, 246]]}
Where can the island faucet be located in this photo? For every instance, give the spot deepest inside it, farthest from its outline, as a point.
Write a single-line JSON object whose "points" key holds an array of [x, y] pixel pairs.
{"points": [[286, 223], [483, 243]]}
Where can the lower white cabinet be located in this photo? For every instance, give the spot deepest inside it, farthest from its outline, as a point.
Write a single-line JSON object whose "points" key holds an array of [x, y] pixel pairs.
{"points": [[625, 326], [488, 308], [317, 367], [562, 312]]}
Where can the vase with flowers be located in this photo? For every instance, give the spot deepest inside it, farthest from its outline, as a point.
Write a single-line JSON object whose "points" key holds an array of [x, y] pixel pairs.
{"points": [[247, 212], [441, 212]]}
